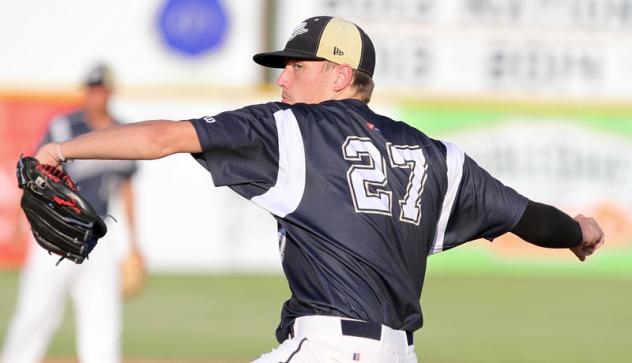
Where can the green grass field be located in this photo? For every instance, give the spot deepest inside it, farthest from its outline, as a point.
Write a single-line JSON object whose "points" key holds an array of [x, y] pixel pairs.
{"points": [[483, 318]]}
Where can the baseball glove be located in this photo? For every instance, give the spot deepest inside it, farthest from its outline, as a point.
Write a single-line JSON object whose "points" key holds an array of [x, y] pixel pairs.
{"points": [[133, 274], [62, 221]]}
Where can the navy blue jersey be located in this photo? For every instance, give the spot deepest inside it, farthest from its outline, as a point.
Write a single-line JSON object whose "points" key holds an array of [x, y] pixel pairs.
{"points": [[361, 201], [97, 179]]}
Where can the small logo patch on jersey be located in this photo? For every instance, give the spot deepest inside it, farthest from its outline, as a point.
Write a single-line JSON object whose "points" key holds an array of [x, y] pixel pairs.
{"points": [[338, 51], [209, 119], [356, 356], [300, 29], [372, 127]]}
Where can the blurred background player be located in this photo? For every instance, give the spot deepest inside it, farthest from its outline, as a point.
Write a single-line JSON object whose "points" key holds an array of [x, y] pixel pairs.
{"points": [[95, 287]]}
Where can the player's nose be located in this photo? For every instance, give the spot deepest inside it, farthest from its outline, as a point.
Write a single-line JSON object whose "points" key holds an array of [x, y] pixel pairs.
{"points": [[283, 78]]}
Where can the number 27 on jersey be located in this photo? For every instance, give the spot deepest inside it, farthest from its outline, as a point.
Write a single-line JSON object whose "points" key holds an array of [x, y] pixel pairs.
{"points": [[368, 181]]}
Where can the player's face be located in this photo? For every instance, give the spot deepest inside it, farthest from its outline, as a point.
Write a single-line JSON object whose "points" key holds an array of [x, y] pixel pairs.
{"points": [[306, 82], [97, 97]]}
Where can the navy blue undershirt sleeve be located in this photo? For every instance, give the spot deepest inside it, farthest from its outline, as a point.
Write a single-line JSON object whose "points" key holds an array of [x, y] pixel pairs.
{"points": [[546, 226]]}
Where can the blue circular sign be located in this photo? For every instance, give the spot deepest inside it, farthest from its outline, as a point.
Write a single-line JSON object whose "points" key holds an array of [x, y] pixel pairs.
{"points": [[193, 27]]}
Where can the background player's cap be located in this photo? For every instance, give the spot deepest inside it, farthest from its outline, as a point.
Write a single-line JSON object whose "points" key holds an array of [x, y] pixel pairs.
{"points": [[325, 38], [99, 75]]}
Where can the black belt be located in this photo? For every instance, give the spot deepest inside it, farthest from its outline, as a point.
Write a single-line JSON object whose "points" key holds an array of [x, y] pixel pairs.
{"points": [[365, 329]]}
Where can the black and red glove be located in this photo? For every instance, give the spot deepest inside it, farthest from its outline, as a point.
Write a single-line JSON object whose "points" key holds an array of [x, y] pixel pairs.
{"points": [[62, 221]]}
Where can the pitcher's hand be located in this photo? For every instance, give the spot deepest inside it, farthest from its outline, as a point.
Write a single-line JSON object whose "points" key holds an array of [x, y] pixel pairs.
{"points": [[593, 237], [49, 154]]}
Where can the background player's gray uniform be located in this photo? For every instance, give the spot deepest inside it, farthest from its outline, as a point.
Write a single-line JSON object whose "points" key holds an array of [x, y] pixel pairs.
{"points": [[93, 286]]}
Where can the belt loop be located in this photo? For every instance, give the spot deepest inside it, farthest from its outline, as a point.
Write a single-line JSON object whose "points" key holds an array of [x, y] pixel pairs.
{"points": [[409, 338]]}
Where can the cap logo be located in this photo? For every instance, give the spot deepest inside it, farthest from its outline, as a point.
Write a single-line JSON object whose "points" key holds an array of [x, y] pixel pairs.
{"points": [[300, 29], [338, 51]]}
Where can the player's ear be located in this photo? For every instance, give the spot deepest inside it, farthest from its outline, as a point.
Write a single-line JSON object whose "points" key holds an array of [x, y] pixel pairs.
{"points": [[344, 77]]}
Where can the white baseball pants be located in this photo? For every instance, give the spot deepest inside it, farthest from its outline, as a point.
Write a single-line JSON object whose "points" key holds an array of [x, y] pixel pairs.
{"points": [[94, 288], [319, 339]]}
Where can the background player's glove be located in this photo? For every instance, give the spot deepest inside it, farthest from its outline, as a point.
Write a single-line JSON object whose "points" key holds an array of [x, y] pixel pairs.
{"points": [[132, 273], [62, 221]]}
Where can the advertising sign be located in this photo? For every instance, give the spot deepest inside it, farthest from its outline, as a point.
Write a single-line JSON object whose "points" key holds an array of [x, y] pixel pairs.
{"points": [[576, 159], [22, 125], [527, 48]]}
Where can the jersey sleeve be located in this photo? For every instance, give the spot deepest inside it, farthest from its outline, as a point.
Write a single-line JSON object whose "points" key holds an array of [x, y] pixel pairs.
{"points": [[45, 139], [128, 169], [240, 148], [476, 204], [58, 130]]}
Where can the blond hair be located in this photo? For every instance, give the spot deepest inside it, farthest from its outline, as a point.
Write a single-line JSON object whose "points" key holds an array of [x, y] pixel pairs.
{"points": [[363, 84]]}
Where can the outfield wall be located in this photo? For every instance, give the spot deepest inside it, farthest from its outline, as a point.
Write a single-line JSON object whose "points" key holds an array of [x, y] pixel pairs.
{"points": [[575, 157], [538, 92]]}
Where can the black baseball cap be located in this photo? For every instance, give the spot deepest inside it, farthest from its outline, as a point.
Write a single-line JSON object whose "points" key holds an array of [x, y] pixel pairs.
{"points": [[325, 38], [99, 75]]}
